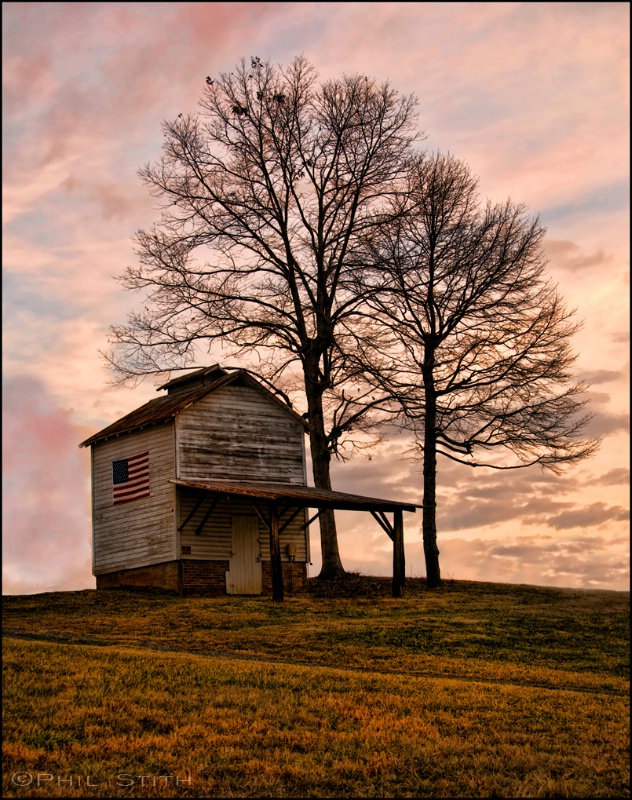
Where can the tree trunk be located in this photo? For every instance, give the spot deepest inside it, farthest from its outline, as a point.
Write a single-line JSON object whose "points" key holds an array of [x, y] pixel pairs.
{"points": [[429, 524], [321, 458]]}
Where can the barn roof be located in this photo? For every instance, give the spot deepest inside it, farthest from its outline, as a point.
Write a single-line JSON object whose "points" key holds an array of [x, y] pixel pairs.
{"points": [[167, 407], [190, 376], [296, 495]]}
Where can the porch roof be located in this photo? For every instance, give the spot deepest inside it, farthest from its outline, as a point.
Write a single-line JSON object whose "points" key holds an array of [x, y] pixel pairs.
{"points": [[296, 495]]}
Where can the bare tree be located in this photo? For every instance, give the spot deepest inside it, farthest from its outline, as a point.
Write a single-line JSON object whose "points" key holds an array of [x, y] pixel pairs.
{"points": [[266, 192], [475, 341]]}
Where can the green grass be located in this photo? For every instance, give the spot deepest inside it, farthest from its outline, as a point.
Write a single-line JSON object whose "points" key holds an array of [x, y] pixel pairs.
{"points": [[473, 690]]}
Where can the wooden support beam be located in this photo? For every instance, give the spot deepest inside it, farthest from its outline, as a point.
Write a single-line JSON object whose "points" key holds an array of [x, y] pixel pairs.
{"points": [[275, 554], [290, 519], [266, 524], [387, 525], [384, 523], [196, 508], [399, 561], [211, 508], [312, 519]]}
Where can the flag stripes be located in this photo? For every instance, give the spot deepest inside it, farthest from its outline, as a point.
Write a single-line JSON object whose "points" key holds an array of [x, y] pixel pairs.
{"points": [[130, 478]]}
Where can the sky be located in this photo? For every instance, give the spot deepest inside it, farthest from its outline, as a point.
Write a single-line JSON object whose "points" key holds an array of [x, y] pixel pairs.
{"points": [[533, 96]]}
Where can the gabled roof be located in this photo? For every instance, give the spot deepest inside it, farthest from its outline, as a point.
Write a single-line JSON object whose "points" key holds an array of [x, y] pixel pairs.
{"points": [[165, 408]]}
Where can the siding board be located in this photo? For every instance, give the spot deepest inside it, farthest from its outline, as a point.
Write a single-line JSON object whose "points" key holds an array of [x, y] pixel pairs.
{"points": [[236, 433], [140, 532]]}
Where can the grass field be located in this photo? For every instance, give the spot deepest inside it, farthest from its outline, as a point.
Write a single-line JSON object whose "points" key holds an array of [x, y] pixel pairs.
{"points": [[484, 690]]}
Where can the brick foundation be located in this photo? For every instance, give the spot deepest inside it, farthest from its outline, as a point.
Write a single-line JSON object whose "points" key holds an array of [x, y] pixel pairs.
{"points": [[160, 576], [190, 576], [294, 577], [204, 577]]}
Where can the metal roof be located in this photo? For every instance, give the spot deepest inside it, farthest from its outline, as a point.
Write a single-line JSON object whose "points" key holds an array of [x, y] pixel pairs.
{"points": [[163, 409], [296, 495]]}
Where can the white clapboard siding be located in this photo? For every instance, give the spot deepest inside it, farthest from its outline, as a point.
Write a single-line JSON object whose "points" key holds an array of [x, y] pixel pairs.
{"points": [[139, 532], [214, 542], [236, 433]]}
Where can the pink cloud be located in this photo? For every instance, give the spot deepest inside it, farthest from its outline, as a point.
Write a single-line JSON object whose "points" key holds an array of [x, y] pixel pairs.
{"points": [[533, 96], [569, 256], [46, 493]]}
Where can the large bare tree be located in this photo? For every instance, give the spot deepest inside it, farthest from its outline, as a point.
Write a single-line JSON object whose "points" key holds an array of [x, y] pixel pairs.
{"points": [[266, 193], [475, 342]]}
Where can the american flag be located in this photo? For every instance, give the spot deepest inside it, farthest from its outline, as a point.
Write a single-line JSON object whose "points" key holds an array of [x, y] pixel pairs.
{"points": [[130, 478]]}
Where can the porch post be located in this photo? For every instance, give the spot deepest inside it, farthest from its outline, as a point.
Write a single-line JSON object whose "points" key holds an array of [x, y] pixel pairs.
{"points": [[399, 561], [275, 554]]}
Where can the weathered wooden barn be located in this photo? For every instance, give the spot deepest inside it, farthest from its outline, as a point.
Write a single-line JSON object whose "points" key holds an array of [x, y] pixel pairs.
{"points": [[205, 490]]}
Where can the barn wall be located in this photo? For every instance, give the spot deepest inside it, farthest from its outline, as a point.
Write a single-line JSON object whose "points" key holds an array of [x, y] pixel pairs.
{"points": [[139, 532], [235, 432], [214, 541]]}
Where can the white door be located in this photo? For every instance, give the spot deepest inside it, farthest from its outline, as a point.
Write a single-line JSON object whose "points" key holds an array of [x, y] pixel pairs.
{"points": [[244, 576]]}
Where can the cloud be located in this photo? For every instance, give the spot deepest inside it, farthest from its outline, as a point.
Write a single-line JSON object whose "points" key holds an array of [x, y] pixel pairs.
{"points": [[482, 499], [594, 514], [586, 561], [46, 493], [570, 256], [594, 377], [533, 96], [600, 199], [614, 477], [603, 424], [530, 498]]}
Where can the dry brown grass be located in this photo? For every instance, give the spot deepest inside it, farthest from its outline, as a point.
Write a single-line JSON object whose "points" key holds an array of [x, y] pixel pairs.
{"points": [[477, 690]]}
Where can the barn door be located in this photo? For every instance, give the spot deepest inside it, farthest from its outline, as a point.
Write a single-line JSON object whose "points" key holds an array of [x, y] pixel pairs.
{"points": [[244, 576]]}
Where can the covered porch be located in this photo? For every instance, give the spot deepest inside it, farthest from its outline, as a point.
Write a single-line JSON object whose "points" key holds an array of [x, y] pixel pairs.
{"points": [[278, 504]]}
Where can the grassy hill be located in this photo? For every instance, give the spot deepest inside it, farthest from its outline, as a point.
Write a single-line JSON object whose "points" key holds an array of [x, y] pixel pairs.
{"points": [[476, 689]]}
